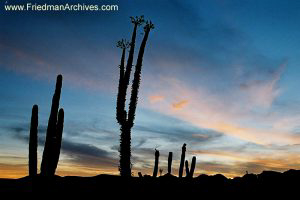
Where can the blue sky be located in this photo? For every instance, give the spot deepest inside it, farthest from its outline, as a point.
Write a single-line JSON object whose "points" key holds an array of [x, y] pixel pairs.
{"points": [[220, 76]]}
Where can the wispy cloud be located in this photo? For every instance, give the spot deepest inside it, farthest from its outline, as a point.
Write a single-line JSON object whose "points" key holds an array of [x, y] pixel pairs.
{"points": [[180, 105], [243, 113], [262, 93], [156, 98]]}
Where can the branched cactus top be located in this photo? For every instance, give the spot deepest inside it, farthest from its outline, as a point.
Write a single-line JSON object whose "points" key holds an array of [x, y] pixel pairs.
{"points": [[123, 44], [137, 20], [149, 25]]}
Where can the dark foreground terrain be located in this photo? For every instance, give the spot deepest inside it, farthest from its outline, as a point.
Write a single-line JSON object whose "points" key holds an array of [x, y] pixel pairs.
{"points": [[268, 182]]}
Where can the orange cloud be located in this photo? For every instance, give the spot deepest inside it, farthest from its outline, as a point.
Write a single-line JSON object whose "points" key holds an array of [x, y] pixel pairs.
{"points": [[180, 105], [156, 98]]}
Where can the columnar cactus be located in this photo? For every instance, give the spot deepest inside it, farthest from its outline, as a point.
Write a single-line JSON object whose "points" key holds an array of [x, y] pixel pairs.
{"points": [[126, 120], [156, 163], [33, 142], [190, 173], [193, 165], [182, 160], [187, 171], [53, 138], [54, 134], [58, 139], [170, 162]]}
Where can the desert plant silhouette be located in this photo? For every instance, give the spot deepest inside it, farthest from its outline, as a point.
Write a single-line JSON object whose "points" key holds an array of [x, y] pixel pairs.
{"points": [[53, 138], [160, 172], [187, 171], [170, 157], [193, 166], [156, 163], [33, 141], [190, 172], [182, 160], [126, 120]]}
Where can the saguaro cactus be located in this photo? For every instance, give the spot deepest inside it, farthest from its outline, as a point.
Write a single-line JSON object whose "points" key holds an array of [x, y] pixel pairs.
{"points": [[170, 162], [187, 171], [33, 142], [126, 120], [54, 134], [190, 173], [156, 163], [193, 165], [182, 160], [53, 137]]}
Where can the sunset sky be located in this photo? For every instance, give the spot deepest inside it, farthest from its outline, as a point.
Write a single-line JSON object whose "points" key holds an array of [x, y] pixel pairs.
{"points": [[221, 76]]}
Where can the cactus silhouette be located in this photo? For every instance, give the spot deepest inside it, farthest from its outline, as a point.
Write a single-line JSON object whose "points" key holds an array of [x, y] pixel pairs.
{"points": [[160, 172], [53, 138], [33, 142], [54, 134], [190, 172], [140, 174], [170, 162], [156, 163], [187, 171], [126, 120], [182, 160], [193, 165]]}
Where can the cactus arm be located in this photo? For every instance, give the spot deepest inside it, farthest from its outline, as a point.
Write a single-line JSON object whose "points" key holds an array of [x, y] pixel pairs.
{"points": [[187, 171], [130, 58], [121, 113], [33, 142], [137, 21], [126, 77], [193, 166], [136, 80]]}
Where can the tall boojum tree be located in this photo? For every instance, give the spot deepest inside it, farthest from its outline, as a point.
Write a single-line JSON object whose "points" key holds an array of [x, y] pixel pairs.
{"points": [[126, 119]]}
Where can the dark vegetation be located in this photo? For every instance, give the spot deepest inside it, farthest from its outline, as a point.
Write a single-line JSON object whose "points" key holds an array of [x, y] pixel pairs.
{"points": [[47, 181], [268, 182], [124, 118], [53, 137]]}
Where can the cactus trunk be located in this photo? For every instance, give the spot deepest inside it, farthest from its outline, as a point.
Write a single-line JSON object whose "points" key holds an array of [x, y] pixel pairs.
{"points": [[170, 162], [33, 142], [130, 59], [125, 151], [52, 143], [156, 163], [182, 160], [120, 101]]}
